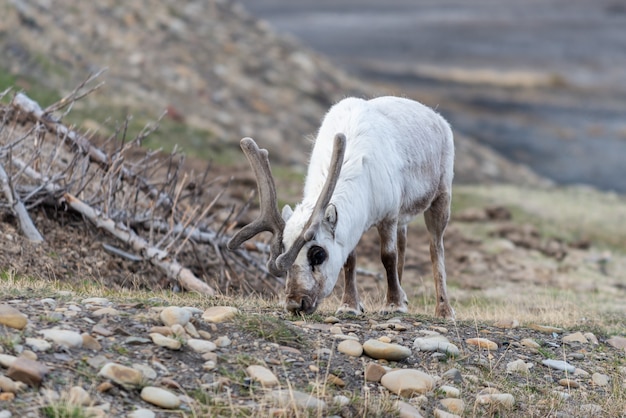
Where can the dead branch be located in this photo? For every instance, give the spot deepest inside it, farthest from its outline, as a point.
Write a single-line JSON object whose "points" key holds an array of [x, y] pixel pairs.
{"points": [[19, 210]]}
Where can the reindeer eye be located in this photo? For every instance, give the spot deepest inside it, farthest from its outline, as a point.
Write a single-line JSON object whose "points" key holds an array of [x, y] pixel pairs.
{"points": [[316, 255]]}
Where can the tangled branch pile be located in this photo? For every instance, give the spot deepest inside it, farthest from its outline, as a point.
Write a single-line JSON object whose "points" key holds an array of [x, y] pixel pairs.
{"points": [[146, 217]]}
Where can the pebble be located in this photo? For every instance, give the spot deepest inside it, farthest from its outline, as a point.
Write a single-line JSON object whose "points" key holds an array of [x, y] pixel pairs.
{"points": [[454, 375], [79, 396], [341, 400], [617, 342], [600, 379], [437, 343], [201, 346], [142, 413], [518, 366], [218, 314], [450, 391], [167, 342], [530, 343], [438, 413], [263, 375], [407, 382], [350, 347], [27, 371], [546, 329], [37, 344], [12, 317], [406, 410], [160, 397], [374, 372], [388, 351], [559, 365], [6, 360], [576, 337], [175, 315], [335, 380], [122, 375], [507, 323], [146, 371], [223, 341], [10, 385], [482, 343], [497, 399], [569, 383], [62, 337], [294, 398], [90, 343], [108, 311], [454, 405]]}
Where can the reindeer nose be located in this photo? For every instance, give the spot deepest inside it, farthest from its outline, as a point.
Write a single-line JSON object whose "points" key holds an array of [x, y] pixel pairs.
{"points": [[299, 304]]}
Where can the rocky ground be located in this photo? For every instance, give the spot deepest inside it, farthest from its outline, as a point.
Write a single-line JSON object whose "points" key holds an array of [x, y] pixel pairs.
{"points": [[70, 355]]}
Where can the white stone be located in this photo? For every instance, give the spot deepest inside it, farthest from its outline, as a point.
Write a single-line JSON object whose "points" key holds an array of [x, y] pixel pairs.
{"points": [[6, 360], [450, 391], [175, 315], [122, 375], [350, 347], [222, 341], [79, 396], [600, 379], [38, 344], [576, 337], [440, 413], [201, 346], [559, 365], [148, 372], [453, 405], [497, 399], [167, 342], [406, 410], [218, 314], [63, 337], [437, 343], [294, 398], [518, 366], [263, 375], [407, 382], [96, 301], [160, 397], [341, 400], [142, 413], [12, 317]]}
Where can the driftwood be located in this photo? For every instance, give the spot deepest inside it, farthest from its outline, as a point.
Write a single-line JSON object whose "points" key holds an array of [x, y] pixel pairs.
{"points": [[149, 205]]}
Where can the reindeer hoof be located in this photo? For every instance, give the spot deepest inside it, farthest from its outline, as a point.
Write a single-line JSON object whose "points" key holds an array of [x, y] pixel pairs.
{"points": [[346, 309], [444, 311], [394, 308]]}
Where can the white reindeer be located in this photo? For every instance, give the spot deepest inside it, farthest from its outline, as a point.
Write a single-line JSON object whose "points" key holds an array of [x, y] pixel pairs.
{"points": [[376, 162]]}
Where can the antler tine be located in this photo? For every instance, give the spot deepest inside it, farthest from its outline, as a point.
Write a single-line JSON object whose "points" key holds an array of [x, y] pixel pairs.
{"points": [[285, 260], [269, 218]]}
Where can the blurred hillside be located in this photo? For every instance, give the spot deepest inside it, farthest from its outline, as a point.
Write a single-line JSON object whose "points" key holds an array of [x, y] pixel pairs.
{"points": [[218, 72]]}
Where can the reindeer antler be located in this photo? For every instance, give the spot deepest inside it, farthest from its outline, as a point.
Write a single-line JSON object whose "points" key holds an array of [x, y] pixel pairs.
{"points": [[285, 260], [270, 218]]}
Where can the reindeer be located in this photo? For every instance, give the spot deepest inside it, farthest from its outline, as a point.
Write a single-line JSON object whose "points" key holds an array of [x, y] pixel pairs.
{"points": [[377, 162]]}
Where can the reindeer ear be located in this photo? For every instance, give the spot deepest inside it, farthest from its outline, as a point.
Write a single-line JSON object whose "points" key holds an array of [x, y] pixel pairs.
{"points": [[287, 212], [330, 217]]}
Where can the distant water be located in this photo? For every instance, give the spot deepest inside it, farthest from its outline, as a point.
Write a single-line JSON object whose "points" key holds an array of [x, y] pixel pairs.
{"points": [[570, 128]]}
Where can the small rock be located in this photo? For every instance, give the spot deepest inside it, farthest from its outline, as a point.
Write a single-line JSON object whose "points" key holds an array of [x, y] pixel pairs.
{"points": [[12, 318], [108, 311], [530, 343], [374, 372], [335, 380], [483, 343], [175, 315], [331, 320], [518, 366], [142, 413], [218, 314], [388, 351], [590, 336], [96, 301], [294, 398], [496, 399], [104, 387], [79, 396], [576, 337], [38, 344], [223, 341], [599, 379], [406, 410], [341, 400], [6, 360], [453, 375], [160, 397], [263, 375], [559, 365], [63, 337], [28, 371], [201, 346], [406, 382], [350, 347], [569, 383], [147, 372], [9, 385], [122, 375], [90, 343], [191, 330], [456, 406], [167, 342], [450, 391], [437, 343], [581, 372], [546, 329], [438, 413], [617, 342]]}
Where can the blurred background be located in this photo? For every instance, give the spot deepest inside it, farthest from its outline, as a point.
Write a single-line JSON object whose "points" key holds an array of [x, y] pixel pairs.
{"points": [[543, 82], [534, 90]]}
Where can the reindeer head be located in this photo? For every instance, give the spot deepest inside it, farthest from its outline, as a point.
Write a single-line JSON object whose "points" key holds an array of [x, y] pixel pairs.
{"points": [[303, 240]]}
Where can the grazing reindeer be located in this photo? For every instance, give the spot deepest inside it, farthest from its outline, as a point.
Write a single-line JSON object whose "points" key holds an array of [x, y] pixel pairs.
{"points": [[378, 163]]}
